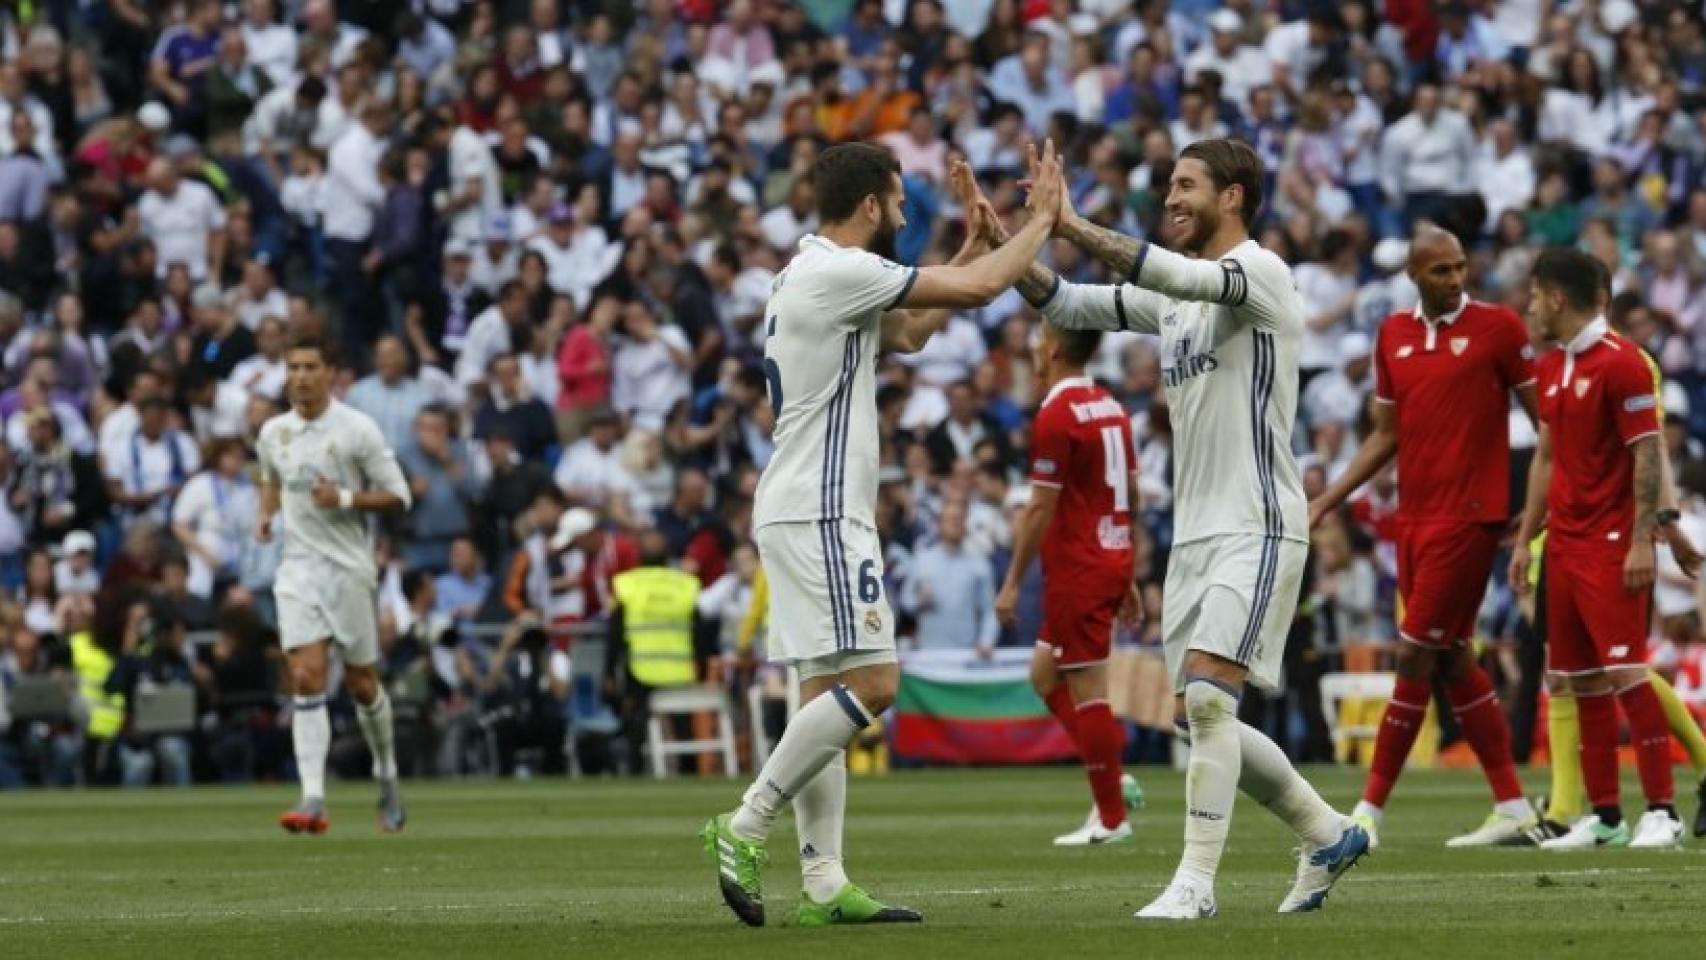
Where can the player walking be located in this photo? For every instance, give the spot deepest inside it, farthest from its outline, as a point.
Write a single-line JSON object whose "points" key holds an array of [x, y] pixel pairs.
{"points": [[1443, 379], [327, 465], [1229, 319], [1595, 484], [1083, 496], [838, 302]]}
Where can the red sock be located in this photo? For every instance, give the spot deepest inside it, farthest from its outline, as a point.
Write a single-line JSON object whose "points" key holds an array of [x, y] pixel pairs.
{"points": [[1651, 733], [1398, 729], [1476, 707], [1598, 717], [1060, 704], [1101, 740]]}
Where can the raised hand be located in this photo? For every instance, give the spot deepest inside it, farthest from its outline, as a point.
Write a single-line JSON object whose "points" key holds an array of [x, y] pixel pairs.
{"points": [[1047, 183]]}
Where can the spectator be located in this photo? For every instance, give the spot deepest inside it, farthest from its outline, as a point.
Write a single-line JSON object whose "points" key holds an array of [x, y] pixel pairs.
{"points": [[591, 474], [444, 486], [1328, 287], [1339, 396], [75, 574], [951, 590], [512, 410], [1241, 67], [153, 465], [214, 516], [1027, 80], [221, 340], [185, 221], [514, 485], [967, 425], [463, 589], [391, 395], [26, 174], [218, 409], [1427, 159], [152, 652], [649, 375], [349, 203], [492, 334], [1505, 174], [584, 368]]}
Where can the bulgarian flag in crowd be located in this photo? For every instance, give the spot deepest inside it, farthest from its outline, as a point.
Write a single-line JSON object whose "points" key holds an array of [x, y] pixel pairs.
{"points": [[955, 708]]}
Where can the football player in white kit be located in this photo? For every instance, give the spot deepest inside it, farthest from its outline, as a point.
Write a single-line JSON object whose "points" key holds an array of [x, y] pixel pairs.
{"points": [[327, 466], [838, 303], [1229, 319]]}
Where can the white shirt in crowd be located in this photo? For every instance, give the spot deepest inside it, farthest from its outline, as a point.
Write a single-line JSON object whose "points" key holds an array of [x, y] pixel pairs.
{"points": [[1243, 71], [148, 466], [1421, 157], [471, 159], [221, 514], [647, 379], [1505, 183], [593, 475], [783, 228], [228, 417], [1321, 288], [271, 49], [260, 377], [179, 224], [252, 311], [351, 194], [579, 267], [951, 355], [488, 336]]}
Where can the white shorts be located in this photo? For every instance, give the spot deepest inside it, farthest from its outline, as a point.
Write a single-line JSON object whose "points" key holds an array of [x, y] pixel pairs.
{"points": [[828, 612], [1233, 596], [315, 603]]}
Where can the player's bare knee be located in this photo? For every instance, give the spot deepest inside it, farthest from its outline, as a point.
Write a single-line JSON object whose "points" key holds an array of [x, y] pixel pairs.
{"points": [[307, 676], [1088, 683], [362, 682], [875, 686], [1044, 674], [1455, 664], [1595, 684]]}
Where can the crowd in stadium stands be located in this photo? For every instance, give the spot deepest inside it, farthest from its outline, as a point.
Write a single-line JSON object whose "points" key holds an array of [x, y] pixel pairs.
{"points": [[543, 233]]}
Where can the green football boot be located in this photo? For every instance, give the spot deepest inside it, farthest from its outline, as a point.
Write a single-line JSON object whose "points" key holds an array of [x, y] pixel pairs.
{"points": [[739, 863], [852, 905]]}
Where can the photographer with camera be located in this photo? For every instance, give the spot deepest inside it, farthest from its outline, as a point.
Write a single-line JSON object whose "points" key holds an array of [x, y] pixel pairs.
{"points": [[525, 697], [152, 659]]}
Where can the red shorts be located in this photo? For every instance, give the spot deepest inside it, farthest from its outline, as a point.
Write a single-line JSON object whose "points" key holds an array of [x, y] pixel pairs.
{"points": [[1592, 622], [1079, 624], [1443, 569]]}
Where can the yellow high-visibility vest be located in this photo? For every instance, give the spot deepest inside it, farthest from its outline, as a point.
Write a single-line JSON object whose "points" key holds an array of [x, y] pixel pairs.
{"points": [[657, 618], [93, 664]]}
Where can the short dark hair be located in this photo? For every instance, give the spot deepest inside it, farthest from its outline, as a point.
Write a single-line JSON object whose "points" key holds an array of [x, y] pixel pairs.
{"points": [[316, 341], [844, 175], [1077, 346], [1570, 272], [1232, 163]]}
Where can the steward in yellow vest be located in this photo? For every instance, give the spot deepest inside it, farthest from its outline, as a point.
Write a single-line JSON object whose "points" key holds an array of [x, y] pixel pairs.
{"points": [[655, 637]]}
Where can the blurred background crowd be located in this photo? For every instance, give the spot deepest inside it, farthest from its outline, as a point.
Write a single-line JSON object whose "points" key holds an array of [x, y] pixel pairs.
{"points": [[543, 233]]}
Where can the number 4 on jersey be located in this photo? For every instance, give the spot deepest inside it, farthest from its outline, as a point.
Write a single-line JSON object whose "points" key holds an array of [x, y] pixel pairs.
{"points": [[1115, 471]]}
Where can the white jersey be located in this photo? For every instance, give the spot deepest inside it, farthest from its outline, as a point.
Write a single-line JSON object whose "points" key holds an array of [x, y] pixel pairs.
{"points": [[822, 325], [1229, 332], [345, 446]]}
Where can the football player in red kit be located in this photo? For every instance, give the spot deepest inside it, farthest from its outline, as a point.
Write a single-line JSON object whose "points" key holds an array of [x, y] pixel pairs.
{"points": [[1083, 498], [1595, 485], [1444, 375]]}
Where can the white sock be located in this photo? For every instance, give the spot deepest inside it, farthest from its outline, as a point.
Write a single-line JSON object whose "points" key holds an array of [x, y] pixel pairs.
{"points": [[819, 809], [1211, 779], [817, 734], [1271, 780], [311, 732], [1519, 808], [1369, 810], [376, 729]]}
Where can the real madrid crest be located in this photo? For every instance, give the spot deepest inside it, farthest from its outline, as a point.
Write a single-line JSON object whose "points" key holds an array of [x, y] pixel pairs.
{"points": [[873, 621], [1458, 345]]}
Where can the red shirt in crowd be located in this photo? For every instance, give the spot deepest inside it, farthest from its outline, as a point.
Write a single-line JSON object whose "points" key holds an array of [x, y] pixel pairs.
{"points": [[1449, 381]]}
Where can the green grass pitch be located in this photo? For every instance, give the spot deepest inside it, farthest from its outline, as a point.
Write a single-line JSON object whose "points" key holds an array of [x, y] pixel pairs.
{"points": [[613, 869]]}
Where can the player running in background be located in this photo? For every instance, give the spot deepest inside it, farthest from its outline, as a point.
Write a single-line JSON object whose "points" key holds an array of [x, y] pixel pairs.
{"points": [[327, 466], [1083, 498], [1444, 375], [1564, 799], [836, 304], [1229, 319], [1595, 484]]}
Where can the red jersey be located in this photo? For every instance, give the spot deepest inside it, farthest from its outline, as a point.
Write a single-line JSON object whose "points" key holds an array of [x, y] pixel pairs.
{"points": [[1597, 397], [1081, 444], [1450, 382]]}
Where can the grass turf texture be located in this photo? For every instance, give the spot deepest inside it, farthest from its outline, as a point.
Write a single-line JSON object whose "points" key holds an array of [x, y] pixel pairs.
{"points": [[614, 869]]}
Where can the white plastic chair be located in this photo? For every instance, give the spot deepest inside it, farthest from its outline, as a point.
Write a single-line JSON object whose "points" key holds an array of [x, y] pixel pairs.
{"points": [[686, 701], [1336, 688]]}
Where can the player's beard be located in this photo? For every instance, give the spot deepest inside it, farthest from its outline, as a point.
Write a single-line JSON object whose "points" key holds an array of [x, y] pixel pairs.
{"points": [[1191, 236], [882, 241]]}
